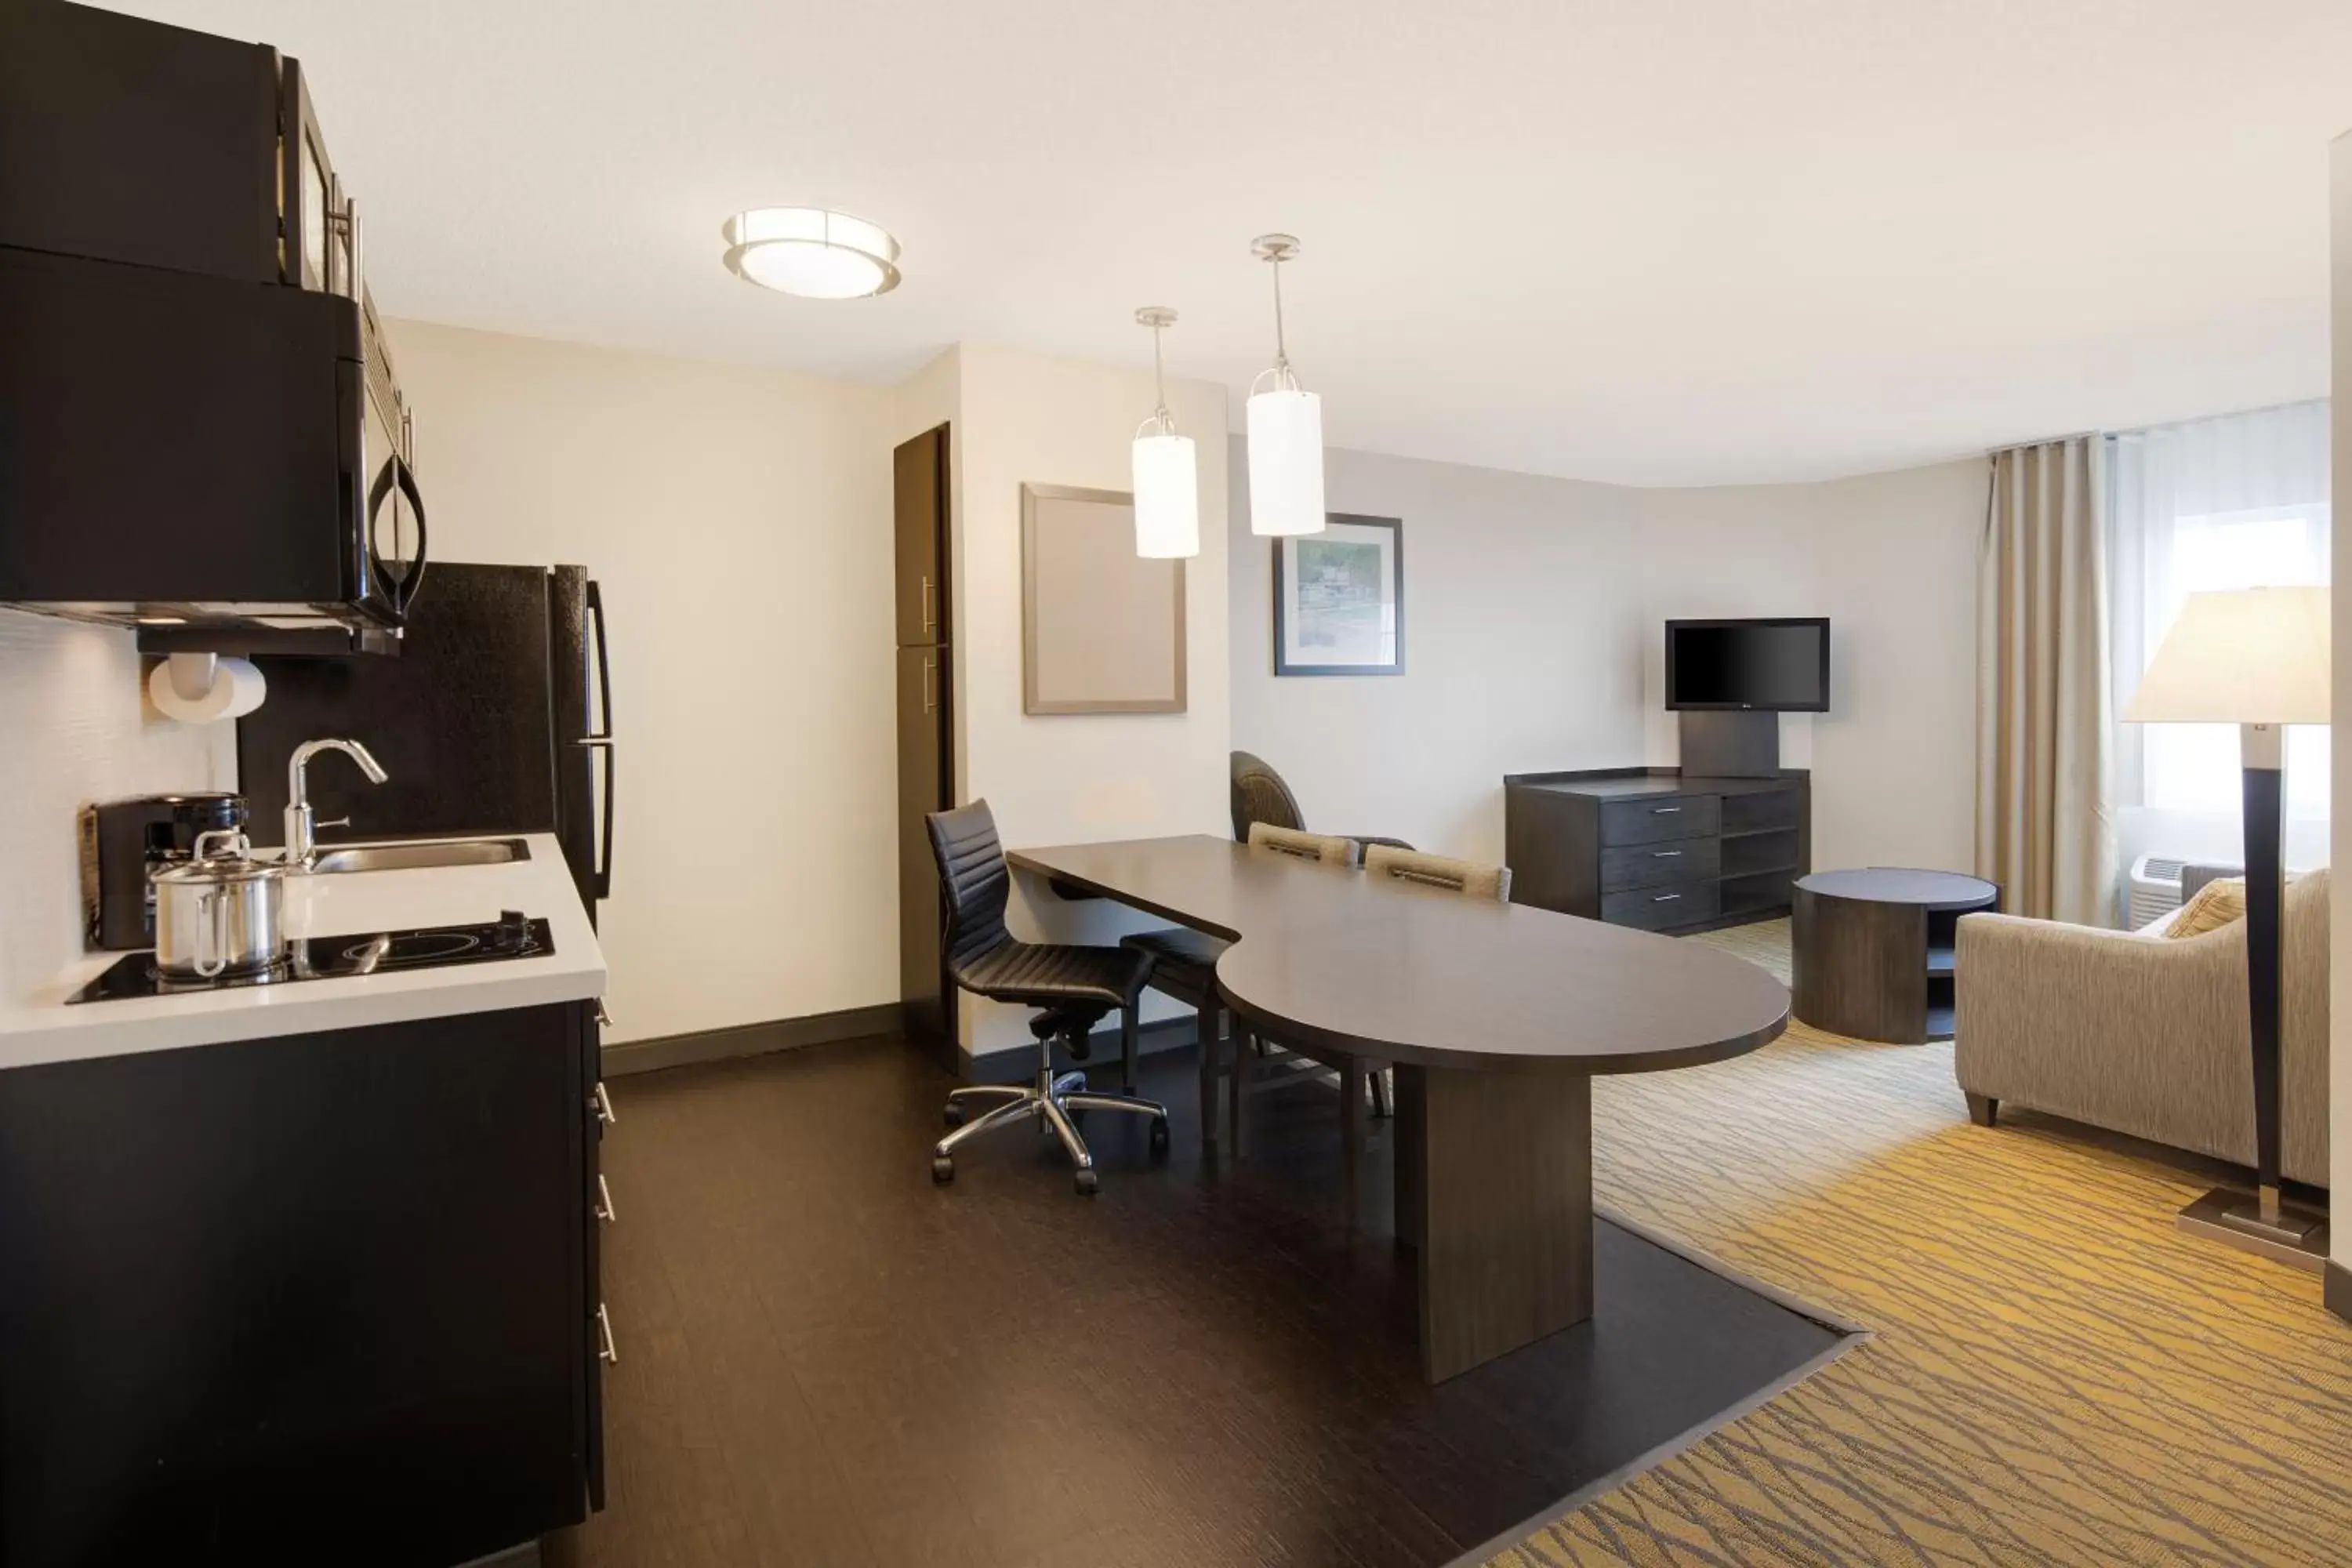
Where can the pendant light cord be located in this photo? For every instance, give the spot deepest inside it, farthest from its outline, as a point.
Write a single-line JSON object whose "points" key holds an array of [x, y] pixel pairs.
{"points": [[1281, 347], [1160, 384]]}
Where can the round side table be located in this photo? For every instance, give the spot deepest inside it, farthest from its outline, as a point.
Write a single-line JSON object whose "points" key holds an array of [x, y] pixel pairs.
{"points": [[1870, 950]]}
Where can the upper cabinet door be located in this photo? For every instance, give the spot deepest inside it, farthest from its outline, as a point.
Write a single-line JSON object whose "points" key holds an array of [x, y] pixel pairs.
{"points": [[922, 502]]}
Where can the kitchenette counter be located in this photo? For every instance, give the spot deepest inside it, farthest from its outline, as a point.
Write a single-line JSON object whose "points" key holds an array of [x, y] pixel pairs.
{"points": [[42, 1028]]}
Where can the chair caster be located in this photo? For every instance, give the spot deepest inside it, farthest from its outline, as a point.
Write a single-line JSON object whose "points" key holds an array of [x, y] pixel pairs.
{"points": [[952, 1116], [1089, 1184], [1160, 1135], [942, 1169]]}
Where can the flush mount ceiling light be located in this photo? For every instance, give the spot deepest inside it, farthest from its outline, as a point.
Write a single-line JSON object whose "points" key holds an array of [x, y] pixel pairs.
{"points": [[811, 252], [1286, 427], [1167, 486]]}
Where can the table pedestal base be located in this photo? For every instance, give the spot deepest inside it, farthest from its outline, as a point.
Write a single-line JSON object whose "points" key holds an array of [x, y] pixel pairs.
{"points": [[1493, 1178]]}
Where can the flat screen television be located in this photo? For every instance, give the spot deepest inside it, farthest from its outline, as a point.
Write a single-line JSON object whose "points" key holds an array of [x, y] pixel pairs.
{"points": [[1777, 665]]}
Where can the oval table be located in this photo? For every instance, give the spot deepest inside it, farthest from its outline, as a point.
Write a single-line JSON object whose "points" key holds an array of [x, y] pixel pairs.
{"points": [[1870, 952], [1497, 1017]]}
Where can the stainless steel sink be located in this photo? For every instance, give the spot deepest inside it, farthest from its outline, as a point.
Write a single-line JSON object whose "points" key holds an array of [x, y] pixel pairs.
{"points": [[416, 857]]}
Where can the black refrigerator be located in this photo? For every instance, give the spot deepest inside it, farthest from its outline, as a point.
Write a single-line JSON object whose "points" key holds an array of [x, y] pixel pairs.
{"points": [[496, 716]]}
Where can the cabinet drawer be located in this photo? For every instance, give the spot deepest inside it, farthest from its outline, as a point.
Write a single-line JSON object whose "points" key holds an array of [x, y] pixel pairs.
{"points": [[1665, 861], [1653, 908], [1655, 819]]}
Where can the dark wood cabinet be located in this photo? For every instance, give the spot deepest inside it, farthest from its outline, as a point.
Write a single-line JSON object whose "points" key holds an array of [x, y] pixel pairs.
{"points": [[926, 732], [328, 1295], [919, 506], [1655, 848]]}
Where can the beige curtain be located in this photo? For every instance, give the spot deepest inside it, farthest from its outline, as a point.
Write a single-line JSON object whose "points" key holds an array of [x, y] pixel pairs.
{"points": [[2043, 830]]}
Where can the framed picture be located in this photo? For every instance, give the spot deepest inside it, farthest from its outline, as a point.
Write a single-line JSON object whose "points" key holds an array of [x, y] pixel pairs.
{"points": [[1339, 599], [1102, 628]]}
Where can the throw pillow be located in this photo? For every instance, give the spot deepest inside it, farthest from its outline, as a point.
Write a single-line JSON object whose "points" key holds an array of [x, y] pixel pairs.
{"points": [[2217, 903]]}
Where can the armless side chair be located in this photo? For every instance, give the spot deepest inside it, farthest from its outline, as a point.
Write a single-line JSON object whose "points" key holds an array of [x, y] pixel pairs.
{"points": [[1259, 795], [1072, 986]]}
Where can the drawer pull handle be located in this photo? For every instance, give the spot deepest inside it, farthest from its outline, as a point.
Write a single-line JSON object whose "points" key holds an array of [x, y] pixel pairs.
{"points": [[603, 1199], [1666, 853], [1665, 898], [1664, 810], [606, 1351], [605, 1108]]}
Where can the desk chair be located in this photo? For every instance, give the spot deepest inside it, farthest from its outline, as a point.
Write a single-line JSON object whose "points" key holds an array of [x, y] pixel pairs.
{"points": [[1254, 1053], [1072, 986], [1464, 876], [1185, 965], [1259, 795]]}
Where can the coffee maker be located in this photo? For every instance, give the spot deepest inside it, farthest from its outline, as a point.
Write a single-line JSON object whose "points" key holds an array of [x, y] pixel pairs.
{"points": [[125, 842]]}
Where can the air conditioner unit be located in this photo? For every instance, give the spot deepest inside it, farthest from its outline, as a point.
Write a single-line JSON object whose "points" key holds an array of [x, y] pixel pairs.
{"points": [[2155, 889]]}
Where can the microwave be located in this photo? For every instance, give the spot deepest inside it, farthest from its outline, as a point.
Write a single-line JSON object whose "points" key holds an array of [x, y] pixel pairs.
{"points": [[201, 430]]}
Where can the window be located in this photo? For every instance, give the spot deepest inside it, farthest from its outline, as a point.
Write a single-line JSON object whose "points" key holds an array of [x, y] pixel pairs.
{"points": [[2240, 502]]}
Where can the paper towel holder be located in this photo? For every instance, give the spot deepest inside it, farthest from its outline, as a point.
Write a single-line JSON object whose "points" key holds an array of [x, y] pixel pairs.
{"points": [[193, 674], [201, 688]]}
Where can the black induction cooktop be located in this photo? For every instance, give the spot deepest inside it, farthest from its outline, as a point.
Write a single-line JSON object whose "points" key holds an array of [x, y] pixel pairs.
{"points": [[511, 935]]}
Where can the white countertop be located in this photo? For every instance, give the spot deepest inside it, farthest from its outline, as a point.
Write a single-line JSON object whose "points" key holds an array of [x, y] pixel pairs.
{"points": [[41, 1028]]}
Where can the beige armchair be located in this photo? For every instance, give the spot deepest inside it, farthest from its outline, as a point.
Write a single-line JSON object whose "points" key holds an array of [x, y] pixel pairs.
{"points": [[2141, 1034]]}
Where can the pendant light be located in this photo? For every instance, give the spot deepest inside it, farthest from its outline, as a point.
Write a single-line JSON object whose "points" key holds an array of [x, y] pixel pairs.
{"points": [[1286, 427], [1167, 484]]}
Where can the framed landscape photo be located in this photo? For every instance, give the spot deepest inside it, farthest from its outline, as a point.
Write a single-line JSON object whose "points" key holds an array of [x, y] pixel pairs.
{"points": [[1338, 598]]}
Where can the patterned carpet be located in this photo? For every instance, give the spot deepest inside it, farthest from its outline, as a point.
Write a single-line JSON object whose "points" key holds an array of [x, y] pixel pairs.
{"points": [[2058, 1374]]}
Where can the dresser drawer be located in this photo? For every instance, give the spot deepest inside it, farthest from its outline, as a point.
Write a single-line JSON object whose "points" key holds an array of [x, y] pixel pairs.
{"points": [[1653, 908], [1654, 818], [1665, 861]]}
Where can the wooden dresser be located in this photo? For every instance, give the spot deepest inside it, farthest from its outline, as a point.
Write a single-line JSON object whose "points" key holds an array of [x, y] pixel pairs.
{"points": [[1651, 847]]}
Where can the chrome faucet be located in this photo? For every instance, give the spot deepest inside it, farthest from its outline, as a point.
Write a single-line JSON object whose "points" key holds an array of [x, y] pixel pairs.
{"points": [[302, 825]]}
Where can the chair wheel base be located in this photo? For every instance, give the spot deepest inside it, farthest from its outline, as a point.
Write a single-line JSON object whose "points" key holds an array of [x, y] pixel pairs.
{"points": [[1087, 1183], [1160, 1135], [952, 1116], [942, 1169]]}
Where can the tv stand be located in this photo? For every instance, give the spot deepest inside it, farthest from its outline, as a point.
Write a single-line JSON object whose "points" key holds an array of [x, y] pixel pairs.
{"points": [[1732, 743], [1661, 849]]}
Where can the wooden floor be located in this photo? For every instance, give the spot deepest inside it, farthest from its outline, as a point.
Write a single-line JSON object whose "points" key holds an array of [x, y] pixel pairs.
{"points": [[825, 1359]]}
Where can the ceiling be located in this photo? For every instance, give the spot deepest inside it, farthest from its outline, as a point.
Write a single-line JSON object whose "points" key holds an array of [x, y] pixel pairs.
{"points": [[1696, 243]]}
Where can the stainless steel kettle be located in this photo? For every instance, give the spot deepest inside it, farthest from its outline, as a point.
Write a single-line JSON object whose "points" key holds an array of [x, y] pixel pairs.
{"points": [[220, 912]]}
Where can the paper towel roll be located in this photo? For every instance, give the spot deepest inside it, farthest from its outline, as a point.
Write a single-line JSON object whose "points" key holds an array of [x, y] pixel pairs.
{"points": [[236, 690]]}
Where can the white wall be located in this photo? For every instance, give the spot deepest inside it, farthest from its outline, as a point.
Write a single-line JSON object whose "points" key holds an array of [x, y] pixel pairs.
{"points": [[1072, 778], [740, 520], [1533, 642], [1891, 559], [1522, 639], [76, 728], [2339, 912]]}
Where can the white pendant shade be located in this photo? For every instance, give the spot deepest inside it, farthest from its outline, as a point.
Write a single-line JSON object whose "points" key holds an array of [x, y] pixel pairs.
{"points": [[2251, 656], [1167, 498], [1285, 462]]}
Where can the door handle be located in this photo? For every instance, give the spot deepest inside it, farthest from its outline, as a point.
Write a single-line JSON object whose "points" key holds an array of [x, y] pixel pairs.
{"points": [[606, 1351], [603, 1199], [931, 697], [603, 1103], [931, 618]]}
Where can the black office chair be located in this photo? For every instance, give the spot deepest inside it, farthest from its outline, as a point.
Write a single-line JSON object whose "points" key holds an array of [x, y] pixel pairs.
{"points": [[1185, 965], [1073, 986]]}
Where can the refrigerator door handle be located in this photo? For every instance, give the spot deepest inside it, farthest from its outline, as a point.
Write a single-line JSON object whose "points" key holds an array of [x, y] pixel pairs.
{"points": [[601, 742]]}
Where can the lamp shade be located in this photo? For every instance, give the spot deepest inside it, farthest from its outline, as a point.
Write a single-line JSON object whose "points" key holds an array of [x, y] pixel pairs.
{"points": [[2251, 656], [1167, 498], [1286, 461]]}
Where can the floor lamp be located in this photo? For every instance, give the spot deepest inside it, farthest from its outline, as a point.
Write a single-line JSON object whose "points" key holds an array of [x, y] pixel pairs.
{"points": [[2258, 659]]}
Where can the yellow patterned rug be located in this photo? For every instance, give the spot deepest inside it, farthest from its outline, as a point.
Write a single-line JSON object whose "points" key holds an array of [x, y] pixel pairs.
{"points": [[2057, 1375]]}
